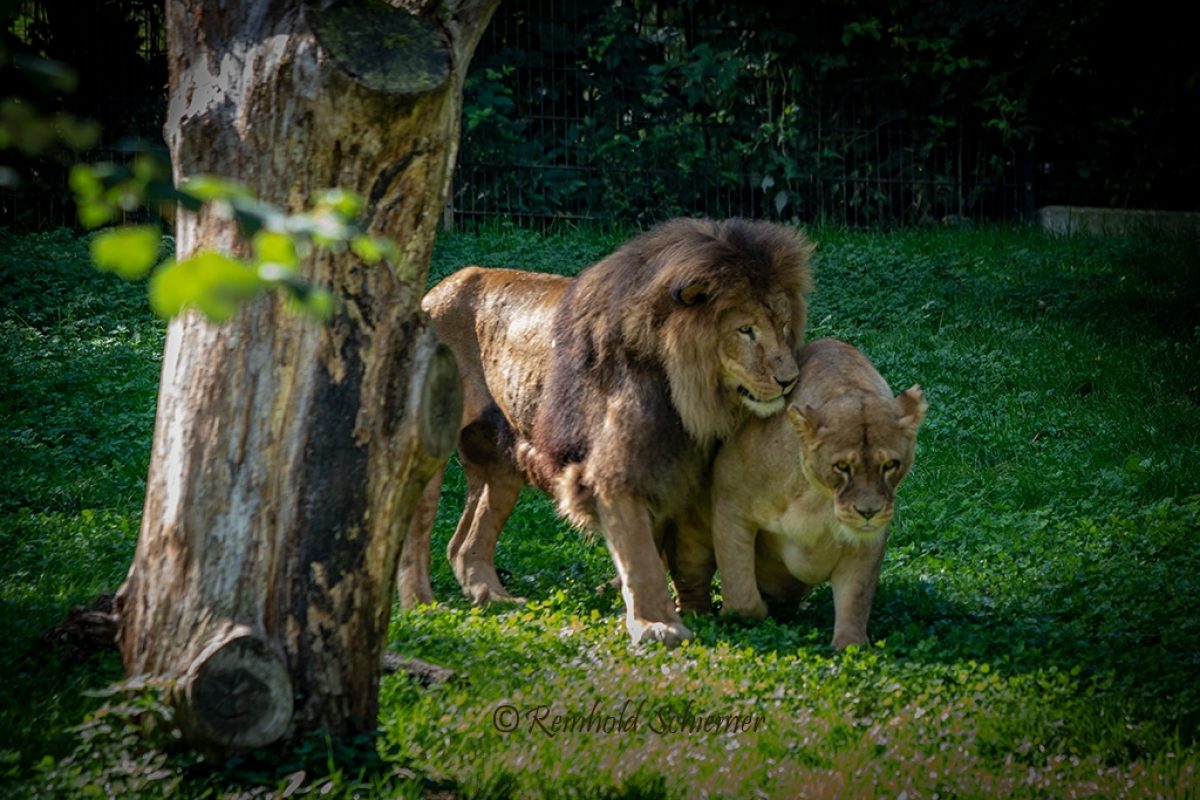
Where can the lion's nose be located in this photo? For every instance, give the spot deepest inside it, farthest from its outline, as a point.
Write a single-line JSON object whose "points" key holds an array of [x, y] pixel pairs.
{"points": [[786, 384]]}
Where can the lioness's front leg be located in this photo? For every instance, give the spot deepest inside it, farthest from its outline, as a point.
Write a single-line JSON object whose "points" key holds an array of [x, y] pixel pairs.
{"points": [[853, 583], [688, 549], [733, 541], [649, 612]]}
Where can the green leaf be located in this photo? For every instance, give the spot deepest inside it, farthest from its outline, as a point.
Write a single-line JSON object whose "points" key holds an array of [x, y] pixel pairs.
{"points": [[94, 214], [129, 251], [271, 247], [77, 134], [206, 187], [210, 281], [347, 204], [366, 249], [84, 182], [319, 304], [149, 167], [373, 249], [254, 215], [1137, 465], [304, 298], [327, 228]]}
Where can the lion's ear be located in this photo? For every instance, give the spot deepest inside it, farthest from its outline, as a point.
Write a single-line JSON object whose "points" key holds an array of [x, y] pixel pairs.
{"points": [[692, 294], [912, 407], [805, 421]]}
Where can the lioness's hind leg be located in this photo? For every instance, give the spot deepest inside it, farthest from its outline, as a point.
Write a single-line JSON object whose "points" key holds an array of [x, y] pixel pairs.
{"points": [[413, 571], [733, 542]]}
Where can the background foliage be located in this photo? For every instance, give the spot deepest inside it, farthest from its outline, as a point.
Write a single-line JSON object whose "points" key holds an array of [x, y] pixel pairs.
{"points": [[861, 112], [853, 111], [111, 59]]}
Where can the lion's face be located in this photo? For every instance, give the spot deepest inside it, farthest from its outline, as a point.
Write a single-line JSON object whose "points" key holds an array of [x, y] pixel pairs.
{"points": [[717, 306], [755, 349], [858, 450]]}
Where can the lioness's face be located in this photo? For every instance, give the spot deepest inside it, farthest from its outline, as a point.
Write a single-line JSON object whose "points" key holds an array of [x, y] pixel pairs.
{"points": [[859, 452], [756, 349]]}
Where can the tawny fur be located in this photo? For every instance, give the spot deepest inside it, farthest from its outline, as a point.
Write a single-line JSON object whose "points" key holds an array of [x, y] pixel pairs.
{"points": [[611, 391], [805, 497]]}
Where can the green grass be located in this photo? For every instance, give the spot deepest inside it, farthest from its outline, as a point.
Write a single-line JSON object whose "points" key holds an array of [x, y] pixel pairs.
{"points": [[1035, 626], [78, 377]]}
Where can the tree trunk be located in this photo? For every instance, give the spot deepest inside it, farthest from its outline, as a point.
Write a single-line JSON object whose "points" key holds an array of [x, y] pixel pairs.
{"points": [[288, 454]]}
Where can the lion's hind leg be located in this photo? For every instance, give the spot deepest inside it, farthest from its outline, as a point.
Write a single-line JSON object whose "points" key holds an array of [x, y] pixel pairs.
{"points": [[413, 574]]}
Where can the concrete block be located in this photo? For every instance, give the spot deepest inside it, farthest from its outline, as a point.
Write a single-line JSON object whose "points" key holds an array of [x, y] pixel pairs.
{"points": [[1117, 221]]}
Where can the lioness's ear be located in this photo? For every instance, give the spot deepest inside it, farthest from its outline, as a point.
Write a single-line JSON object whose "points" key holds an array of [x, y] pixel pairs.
{"points": [[912, 407], [692, 294], [805, 421]]}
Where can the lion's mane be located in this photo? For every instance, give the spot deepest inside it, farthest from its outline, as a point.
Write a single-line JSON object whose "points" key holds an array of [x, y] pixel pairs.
{"points": [[607, 421]]}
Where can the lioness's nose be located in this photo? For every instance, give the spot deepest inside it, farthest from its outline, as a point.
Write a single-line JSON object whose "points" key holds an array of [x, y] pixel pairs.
{"points": [[786, 384], [866, 512]]}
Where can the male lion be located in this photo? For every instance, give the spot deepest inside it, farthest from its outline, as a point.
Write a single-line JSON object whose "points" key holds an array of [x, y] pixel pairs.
{"points": [[611, 391], [805, 497]]}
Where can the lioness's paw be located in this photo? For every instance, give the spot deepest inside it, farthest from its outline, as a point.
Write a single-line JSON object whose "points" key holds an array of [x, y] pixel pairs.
{"points": [[670, 634], [755, 611], [842, 641], [481, 594], [694, 605]]}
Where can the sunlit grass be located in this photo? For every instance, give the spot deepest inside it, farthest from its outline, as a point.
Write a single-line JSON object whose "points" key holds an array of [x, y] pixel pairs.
{"points": [[1035, 627]]}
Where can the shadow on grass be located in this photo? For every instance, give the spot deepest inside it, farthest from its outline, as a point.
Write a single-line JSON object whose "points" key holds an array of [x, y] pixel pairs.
{"points": [[1114, 287], [42, 695], [1134, 647]]}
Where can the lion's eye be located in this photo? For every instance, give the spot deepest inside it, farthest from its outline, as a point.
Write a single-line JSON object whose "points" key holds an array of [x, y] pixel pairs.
{"points": [[891, 466], [843, 467], [747, 330]]}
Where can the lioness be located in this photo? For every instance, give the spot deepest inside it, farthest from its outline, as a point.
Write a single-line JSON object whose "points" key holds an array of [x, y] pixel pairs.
{"points": [[806, 496], [611, 391]]}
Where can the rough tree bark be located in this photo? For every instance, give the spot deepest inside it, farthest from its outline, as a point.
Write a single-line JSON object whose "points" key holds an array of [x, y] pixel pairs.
{"points": [[288, 454]]}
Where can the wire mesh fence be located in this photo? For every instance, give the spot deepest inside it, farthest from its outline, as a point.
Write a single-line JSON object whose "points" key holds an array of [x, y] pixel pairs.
{"points": [[116, 50], [602, 111]]}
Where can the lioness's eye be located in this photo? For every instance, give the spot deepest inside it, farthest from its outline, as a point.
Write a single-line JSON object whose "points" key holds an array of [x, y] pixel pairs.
{"points": [[891, 465], [842, 467], [746, 330]]}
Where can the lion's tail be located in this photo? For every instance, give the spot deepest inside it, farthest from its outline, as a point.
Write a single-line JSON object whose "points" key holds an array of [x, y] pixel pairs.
{"points": [[576, 499]]}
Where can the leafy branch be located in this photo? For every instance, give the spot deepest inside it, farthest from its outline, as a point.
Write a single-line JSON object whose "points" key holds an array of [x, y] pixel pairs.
{"points": [[217, 283], [214, 283]]}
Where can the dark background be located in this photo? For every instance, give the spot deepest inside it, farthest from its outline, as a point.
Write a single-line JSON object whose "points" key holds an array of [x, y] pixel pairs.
{"points": [[855, 112]]}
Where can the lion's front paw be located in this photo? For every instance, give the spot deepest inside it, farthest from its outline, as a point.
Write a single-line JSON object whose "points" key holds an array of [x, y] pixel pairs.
{"points": [[753, 611], [413, 598], [670, 634]]}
